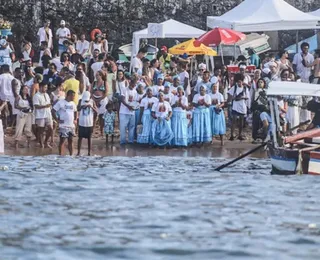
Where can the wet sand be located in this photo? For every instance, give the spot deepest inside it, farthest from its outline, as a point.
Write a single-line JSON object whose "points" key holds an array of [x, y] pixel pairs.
{"points": [[99, 148]]}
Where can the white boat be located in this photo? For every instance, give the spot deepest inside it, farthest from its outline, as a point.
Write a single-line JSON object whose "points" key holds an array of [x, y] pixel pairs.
{"points": [[300, 153]]}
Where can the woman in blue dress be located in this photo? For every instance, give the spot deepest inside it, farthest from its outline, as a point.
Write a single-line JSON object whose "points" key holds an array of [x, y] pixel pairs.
{"points": [[201, 123], [179, 122], [218, 121], [145, 117], [161, 131]]}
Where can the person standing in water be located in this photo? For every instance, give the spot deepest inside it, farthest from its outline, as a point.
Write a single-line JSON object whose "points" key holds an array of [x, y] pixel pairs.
{"points": [[109, 122], [218, 122], [65, 112]]}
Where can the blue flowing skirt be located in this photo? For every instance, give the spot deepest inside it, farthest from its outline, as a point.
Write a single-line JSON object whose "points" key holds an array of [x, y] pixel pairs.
{"points": [[147, 120], [179, 124], [218, 122], [190, 134], [201, 125], [161, 132], [137, 112], [137, 115]]}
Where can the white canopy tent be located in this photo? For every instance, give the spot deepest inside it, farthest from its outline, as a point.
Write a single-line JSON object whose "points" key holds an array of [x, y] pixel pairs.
{"points": [[172, 29], [315, 13], [264, 15]]}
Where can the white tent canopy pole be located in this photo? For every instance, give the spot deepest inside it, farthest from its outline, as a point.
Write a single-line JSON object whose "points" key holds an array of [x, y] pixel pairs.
{"points": [[264, 15]]}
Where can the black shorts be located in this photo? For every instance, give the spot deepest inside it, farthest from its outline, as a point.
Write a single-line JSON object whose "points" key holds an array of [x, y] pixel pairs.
{"points": [[85, 132], [237, 114]]}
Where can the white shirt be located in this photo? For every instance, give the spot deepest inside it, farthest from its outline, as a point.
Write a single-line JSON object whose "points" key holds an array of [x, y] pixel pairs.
{"points": [[137, 65], [168, 97], [184, 101], [208, 85], [96, 67], [303, 71], [103, 103], [146, 101], [6, 87], [95, 46], [5, 56], [130, 96], [82, 46], [121, 87], [161, 109], [185, 75], [42, 99], [217, 96], [241, 105], [198, 98], [86, 115], [63, 32], [66, 111], [43, 38], [156, 89], [247, 79], [139, 97]]}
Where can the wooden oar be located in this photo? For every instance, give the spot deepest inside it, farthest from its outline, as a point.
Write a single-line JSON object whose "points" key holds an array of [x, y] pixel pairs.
{"points": [[240, 157], [253, 150]]}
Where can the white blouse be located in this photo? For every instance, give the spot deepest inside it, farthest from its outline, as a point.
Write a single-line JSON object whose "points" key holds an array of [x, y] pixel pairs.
{"points": [[184, 101], [198, 98], [161, 109], [217, 96], [146, 101]]}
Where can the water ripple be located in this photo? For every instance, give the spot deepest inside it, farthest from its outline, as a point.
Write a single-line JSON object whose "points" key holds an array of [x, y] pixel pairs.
{"points": [[154, 208]]}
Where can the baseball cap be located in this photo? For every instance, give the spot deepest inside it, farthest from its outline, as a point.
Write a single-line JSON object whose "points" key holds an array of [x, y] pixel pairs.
{"points": [[63, 22], [164, 48]]}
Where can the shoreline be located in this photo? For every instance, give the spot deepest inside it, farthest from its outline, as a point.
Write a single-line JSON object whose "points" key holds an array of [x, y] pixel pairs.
{"points": [[231, 149], [99, 148]]}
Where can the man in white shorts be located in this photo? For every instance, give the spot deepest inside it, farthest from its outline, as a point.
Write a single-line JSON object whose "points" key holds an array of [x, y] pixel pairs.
{"points": [[65, 112], [43, 117]]}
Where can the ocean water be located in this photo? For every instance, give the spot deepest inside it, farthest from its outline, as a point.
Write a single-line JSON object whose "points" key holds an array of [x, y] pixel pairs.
{"points": [[155, 208]]}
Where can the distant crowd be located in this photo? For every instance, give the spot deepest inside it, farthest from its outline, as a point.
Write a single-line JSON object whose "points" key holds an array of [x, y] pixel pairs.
{"points": [[156, 103]]}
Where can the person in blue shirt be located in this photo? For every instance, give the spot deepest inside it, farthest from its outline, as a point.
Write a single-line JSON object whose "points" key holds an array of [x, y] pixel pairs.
{"points": [[254, 58]]}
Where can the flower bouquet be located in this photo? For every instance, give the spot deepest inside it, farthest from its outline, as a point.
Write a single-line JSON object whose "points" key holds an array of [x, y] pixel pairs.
{"points": [[5, 27]]}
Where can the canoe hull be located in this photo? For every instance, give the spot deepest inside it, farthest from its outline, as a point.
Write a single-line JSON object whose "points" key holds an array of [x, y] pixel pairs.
{"points": [[285, 161]]}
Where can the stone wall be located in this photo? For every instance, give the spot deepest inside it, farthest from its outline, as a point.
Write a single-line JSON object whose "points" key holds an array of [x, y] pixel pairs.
{"points": [[120, 17]]}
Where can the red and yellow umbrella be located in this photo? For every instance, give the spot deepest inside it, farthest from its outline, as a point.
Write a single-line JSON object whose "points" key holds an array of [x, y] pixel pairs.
{"points": [[192, 47]]}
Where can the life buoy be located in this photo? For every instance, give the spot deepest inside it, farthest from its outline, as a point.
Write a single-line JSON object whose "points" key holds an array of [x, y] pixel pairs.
{"points": [[93, 33]]}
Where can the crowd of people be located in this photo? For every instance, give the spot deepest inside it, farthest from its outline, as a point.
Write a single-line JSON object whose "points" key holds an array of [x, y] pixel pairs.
{"points": [[155, 103]]}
